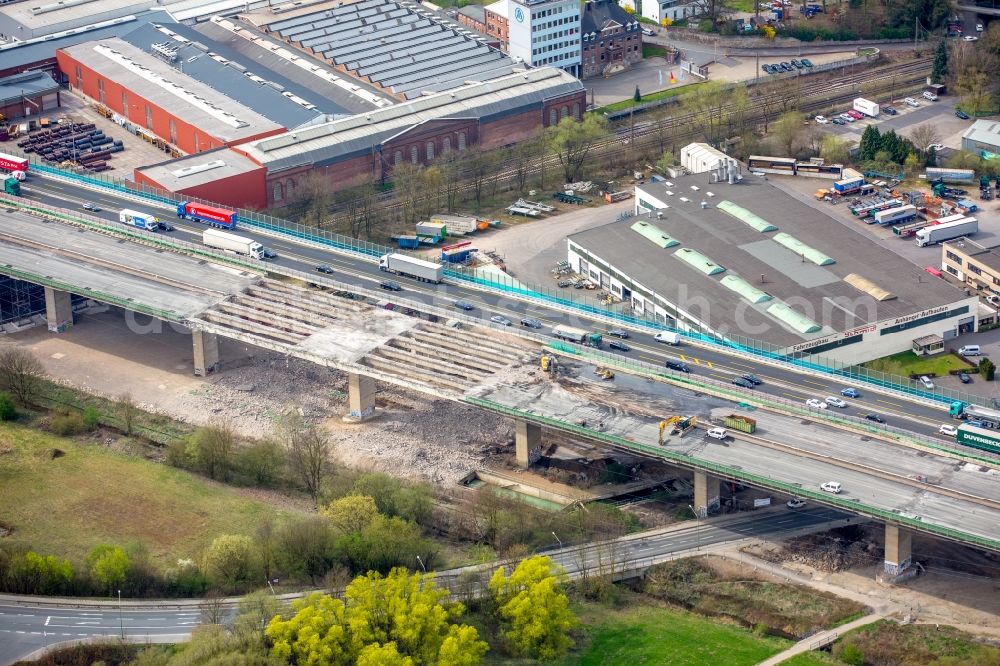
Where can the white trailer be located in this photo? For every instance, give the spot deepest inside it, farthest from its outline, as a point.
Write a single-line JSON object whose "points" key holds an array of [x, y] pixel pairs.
{"points": [[938, 233], [895, 215], [134, 218], [400, 264], [867, 107], [223, 240], [577, 335]]}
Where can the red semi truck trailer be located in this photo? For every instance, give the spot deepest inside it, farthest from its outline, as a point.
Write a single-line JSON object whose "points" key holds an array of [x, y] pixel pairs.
{"points": [[210, 215]]}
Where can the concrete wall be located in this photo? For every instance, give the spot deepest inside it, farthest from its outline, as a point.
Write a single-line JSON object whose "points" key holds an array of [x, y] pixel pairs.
{"points": [[245, 190]]}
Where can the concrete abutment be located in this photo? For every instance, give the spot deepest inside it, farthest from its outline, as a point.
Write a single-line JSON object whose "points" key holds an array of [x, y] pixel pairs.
{"points": [[206, 352], [360, 398], [527, 442], [58, 309], [706, 493]]}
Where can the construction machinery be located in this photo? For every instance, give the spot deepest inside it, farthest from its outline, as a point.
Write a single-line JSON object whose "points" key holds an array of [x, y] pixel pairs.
{"points": [[604, 373], [678, 425]]}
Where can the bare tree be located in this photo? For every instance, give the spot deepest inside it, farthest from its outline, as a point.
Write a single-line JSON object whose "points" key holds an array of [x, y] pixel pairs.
{"points": [[309, 457], [20, 374], [407, 186], [213, 610], [127, 411], [924, 135]]}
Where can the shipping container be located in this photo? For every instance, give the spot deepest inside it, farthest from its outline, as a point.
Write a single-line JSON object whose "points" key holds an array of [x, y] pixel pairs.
{"points": [[950, 175], [741, 423], [895, 215], [867, 107]]}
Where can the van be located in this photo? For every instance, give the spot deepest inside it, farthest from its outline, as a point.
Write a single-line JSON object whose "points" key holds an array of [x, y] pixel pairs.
{"points": [[832, 487], [909, 101], [717, 433], [969, 350], [648, 32], [668, 337], [929, 95]]}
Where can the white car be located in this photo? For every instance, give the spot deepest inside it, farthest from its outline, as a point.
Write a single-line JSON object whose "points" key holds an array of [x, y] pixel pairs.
{"points": [[717, 433], [948, 429], [936, 146], [970, 38], [979, 27], [847, 117], [926, 382], [796, 503], [834, 401], [821, 120], [909, 101], [816, 403], [831, 487]]}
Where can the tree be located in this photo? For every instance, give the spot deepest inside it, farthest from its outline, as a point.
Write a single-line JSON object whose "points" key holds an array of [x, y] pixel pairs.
{"points": [[309, 458], [666, 162], [8, 412], [924, 135], [974, 85], [305, 548], [636, 97], [109, 565], [912, 162], [397, 619], [395, 497], [480, 166], [987, 369], [261, 463], [386, 543], [940, 66], [350, 514], [571, 141], [311, 200], [789, 130], [256, 610], [31, 573], [536, 620], [267, 546], [834, 149], [231, 560], [211, 448], [871, 143], [20, 374]]}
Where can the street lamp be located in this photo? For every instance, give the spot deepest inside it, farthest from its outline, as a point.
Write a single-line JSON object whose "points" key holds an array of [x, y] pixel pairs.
{"points": [[121, 620], [557, 539], [697, 529]]}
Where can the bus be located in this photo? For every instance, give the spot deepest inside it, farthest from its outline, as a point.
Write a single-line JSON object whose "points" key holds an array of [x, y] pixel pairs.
{"points": [[779, 165]]}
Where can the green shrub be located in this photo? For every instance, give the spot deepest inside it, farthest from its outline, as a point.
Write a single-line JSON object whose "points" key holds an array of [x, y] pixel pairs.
{"points": [[67, 424], [7, 410], [91, 417], [760, 629], [851, 654]]}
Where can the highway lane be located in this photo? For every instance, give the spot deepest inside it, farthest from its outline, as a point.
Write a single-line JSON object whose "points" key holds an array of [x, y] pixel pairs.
{"points": [[25, 628], [914, 415]]}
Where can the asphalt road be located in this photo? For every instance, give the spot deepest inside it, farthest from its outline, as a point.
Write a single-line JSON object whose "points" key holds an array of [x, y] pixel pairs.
{"points": [[25, 628], [915, 415]]}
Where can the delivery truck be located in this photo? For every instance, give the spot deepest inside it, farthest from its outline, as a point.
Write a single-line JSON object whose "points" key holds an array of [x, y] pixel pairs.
{"points": [[978, 438], [11, 165], [134, 218], [11, 186], [210, 215], [418, 269], [222, 240], [867, 107], [939, 233], [577, 335]]}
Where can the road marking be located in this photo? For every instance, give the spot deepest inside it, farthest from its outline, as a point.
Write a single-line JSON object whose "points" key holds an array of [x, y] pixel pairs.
{"points": [[47, 619], [709, 364], [807, 381]]}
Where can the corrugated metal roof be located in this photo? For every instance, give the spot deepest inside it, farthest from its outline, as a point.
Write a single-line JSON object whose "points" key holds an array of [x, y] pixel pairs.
{"points": [[329, 142], [984, 131], [28, 84]]}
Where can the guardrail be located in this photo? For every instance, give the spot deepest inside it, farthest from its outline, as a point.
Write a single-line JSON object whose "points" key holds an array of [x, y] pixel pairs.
{"points": [[755, 348]]}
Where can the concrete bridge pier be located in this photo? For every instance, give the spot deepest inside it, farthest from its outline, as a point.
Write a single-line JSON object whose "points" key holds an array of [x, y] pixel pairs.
{"points": [[58, 309], [206, 352], [898, 550], [360, 398], [527, 442], [706, 493]]}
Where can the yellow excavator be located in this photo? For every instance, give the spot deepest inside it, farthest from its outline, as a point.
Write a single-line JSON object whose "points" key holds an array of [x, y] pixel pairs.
{"points": [[681, 426]]}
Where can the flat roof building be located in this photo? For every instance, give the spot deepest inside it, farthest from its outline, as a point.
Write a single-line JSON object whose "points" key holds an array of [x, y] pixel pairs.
{"points": [[216, 176], [748, 261], [982, 136], [150, 93], [28, 94]]}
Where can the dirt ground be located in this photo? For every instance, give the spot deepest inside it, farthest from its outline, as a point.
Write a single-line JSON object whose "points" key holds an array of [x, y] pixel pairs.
{"points": [[412, 436]]}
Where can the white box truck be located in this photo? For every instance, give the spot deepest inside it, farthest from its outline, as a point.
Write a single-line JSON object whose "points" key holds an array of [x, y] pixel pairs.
{"points": [[867, 107], [134, 218], [223, 240], [939, 233], [400, 264]]}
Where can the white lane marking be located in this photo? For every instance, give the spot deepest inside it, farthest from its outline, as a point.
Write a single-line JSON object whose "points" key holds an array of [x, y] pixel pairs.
{"points": [[48, 618]]}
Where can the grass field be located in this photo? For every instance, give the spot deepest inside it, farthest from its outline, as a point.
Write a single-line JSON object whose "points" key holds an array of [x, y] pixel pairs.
{"points": [[907, 363], [68, 504], [652, 97], [917, 644], [812, 659], [641, 634]]}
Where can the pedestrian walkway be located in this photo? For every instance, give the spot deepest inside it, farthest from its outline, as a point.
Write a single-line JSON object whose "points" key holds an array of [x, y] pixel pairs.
{"points": [[817, 641]]}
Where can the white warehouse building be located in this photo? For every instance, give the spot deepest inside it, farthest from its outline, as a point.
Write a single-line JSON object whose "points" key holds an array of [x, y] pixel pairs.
{"points": [[740, 258], [701, 157]]}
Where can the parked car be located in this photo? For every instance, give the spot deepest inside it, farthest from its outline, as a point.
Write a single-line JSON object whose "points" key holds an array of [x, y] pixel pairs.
{"points": [[875, 417], [979, 27], [821, 120], [834, 401], [619, 345], [618, 333], [855, 114], [390, 285], [753, 379], [648, 32], [909, 101], [838, 121], [677, 365], [797, 64], [847, 117], [531, 323], [964, 378], [936, 146], [464, 305], [787, 66], [891, 110], [926, 382], [744, 382], [323, 268], [806, 62], [961, 114], [970, 38], [928, 95], [796, 503], [948, 429], [850, 393], [816, 403], [500, 319], [766, 68], [832, 487]]}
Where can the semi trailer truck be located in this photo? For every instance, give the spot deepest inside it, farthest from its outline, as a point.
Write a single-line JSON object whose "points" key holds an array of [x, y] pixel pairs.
{"points": [[577, 335], [400, 264], [210, 215], [940, 233], [222, 240]]}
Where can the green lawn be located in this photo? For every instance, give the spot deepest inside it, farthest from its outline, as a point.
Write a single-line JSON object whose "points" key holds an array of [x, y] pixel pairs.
{"points": [[641, 634], [652, 97], [907, 363], [812, 659], [66, 505]]}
